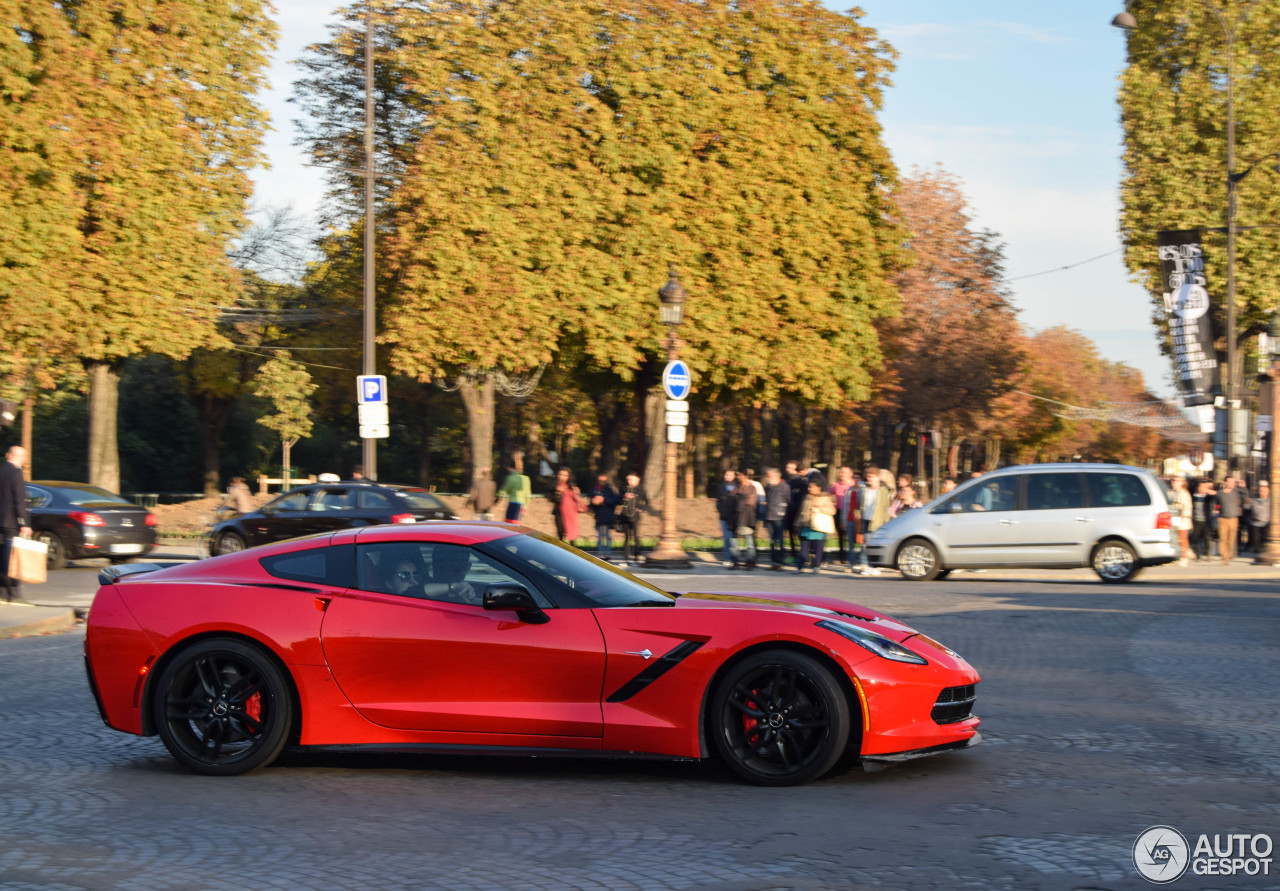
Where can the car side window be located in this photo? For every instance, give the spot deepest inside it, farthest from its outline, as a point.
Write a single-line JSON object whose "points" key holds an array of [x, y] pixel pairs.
{"points": [[332, 499], [996, 495], [1117, 490], [1055, 491], [323, 566], [369, 499], [36, 497], [296, 501], [426, 570]]}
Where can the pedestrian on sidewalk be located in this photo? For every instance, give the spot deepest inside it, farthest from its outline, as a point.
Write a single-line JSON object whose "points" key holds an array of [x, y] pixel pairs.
{"points": [[1201, 511], [14, 518], [1259, 517], [815, 520], [1230, 508], [518, 491], [483, 494], [634, 501], [727, 512], [799, 484], [840, 490], [1180, 508], [566, 503], [872, 513], [604, 500], [777, 500], [745, 498]]}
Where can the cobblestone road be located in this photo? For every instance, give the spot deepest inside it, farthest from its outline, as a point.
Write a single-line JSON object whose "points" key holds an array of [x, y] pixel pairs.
{"points": [[1106, 710]]}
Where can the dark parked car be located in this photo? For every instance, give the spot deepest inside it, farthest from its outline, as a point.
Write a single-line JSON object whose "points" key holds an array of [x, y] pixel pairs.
{"points": [[77, 520], [325, 508]]}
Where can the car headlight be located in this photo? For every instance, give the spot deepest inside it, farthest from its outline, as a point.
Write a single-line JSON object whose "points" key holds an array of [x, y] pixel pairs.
{"points": [[876, 643]]}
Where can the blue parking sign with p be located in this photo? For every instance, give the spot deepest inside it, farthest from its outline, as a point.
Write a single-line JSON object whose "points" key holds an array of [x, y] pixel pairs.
{"points": [[371, 389]]}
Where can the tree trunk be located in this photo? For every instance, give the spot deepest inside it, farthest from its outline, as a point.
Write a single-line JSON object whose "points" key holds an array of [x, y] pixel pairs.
{"points": [[477, 399], [767, 454], [286, 469], [104, 403], [992, 456], [654, 474], [28, 407], [810, 438], [424, 448], [699, 430], [213, 412]]}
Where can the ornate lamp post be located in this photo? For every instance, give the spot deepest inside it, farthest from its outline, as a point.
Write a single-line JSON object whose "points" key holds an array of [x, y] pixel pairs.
{"points": [[669, 554], [1271, 553]]}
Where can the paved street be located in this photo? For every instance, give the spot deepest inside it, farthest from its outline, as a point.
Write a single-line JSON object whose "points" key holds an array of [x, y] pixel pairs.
{"points": [[1106, 710]]}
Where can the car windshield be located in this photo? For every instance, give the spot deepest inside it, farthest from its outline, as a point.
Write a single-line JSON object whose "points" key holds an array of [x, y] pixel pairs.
{"points": [[547, 559], [92, 495], [418, 499]]}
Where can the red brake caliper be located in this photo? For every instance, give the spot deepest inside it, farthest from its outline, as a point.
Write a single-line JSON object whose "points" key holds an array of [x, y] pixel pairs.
{"points": [[253, 707], [749, 724]]}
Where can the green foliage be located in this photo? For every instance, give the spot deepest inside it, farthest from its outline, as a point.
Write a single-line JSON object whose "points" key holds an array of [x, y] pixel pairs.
{"points": [[287, 387], [1173, 108]]}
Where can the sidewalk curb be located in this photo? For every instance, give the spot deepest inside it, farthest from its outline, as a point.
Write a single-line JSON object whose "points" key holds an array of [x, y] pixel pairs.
{"points": [[60, 620]]}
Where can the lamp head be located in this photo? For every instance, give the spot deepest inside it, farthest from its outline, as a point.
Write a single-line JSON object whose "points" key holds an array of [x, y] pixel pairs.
{"points": [[1124, 21], [672, 295]]}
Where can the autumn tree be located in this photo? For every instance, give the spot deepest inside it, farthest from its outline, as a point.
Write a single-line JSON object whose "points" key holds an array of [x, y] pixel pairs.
{"points": [[567, 153], [286, 385], [956, 346], [140, 129], [1173, 110]]}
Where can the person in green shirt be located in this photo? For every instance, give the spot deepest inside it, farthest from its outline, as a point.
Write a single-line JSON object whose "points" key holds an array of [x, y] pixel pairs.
{"points": [[518, 492]]}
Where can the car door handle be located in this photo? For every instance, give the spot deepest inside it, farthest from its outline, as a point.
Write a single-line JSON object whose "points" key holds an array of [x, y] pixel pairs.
{"points": [[1084, 519], [1008, 522]]}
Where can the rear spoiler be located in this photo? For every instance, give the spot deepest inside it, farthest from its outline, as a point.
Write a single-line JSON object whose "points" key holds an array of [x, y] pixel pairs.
{"points": [[113, 574]]}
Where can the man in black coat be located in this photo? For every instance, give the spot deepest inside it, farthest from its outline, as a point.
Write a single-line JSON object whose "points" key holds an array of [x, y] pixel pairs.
{"points": [[14, 519], [799, 485], [603, 501]]}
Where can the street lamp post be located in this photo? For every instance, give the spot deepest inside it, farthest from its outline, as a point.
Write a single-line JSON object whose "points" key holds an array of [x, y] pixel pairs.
{"points": [[1126, 22], [669, 554], [1270, 555], [369, 364]]}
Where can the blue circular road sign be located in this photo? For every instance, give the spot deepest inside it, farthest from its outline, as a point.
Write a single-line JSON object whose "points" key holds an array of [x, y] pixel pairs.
{"points": [[676, 380]]}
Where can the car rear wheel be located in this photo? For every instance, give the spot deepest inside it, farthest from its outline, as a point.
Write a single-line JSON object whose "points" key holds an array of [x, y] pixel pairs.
{"points": [[223, 707], [228, 543], [779, 718], [57, 556], [918, 561], [1114, 561]]}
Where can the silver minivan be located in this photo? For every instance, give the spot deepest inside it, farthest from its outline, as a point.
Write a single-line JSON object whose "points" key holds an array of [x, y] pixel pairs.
{"points": [[1056, 516]]}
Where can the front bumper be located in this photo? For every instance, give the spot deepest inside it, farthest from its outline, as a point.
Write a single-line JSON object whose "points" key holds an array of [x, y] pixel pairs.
{"points": [[879, 762]]}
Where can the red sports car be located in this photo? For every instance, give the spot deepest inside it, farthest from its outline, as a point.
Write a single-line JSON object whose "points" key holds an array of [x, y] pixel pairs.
{"points": [[478, 637]]}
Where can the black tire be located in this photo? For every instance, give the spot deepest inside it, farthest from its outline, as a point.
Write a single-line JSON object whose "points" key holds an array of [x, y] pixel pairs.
{"points": [[57, 557], [228, 543], [1115, 562], [918, 561], [116, 561], [223, 707], [779, 718], [942, 574]]}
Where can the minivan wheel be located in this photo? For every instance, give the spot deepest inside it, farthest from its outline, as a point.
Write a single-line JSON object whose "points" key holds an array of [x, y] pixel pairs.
{"points": [[918, 561], [1115, 562]]}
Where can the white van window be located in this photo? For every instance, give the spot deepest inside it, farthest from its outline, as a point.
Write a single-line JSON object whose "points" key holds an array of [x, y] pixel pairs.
{"points": [[1117, 490]]}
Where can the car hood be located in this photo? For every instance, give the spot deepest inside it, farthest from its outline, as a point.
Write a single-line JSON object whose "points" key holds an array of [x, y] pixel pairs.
{"points": [[818, 607]]}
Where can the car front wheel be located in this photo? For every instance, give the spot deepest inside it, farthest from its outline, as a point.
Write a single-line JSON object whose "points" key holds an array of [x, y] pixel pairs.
{"points": [[228, 543], [223, 707], [780, 718], [918, 561], [1114, 561]]}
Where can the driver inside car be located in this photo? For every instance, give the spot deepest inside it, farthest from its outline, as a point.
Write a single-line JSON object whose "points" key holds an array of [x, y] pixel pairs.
{"points": [[449, 565]]}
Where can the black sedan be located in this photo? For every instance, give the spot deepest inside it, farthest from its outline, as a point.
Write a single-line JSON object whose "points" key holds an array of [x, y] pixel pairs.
{"points": [[77, 520], [324, 508]]}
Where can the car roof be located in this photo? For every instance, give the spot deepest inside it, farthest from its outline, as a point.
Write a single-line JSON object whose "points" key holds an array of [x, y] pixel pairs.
{"points": [[1063, 466], [462, 531]]}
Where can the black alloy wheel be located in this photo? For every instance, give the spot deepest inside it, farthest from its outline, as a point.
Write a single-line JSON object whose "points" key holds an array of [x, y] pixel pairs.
{"points": [[57, 556], [228, 543], [223, 707], [779, 718]]}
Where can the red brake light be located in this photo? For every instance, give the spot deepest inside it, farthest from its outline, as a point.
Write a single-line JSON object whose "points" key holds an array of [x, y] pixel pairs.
{"points": [[403, 518], [1164, 520], [86, 519], [151, 520]]}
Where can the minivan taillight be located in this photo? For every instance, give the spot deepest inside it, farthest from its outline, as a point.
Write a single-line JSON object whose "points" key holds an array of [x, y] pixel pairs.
{"points": [[86, 519], [403, 518], [1164, 520]]}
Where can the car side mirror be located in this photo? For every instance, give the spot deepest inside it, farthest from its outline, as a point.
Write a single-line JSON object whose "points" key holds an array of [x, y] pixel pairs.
{"points": [[510, 596]]}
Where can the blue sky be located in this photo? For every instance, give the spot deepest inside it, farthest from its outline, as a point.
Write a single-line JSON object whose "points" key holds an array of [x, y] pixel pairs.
{"points": [[1015, 98]]}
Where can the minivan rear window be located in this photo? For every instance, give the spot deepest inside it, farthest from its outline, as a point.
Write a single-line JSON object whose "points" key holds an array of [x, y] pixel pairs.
{"points": [[1117, 490], [1054, 491]]}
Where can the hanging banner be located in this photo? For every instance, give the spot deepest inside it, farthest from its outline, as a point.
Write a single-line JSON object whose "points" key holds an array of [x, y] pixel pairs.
{"points": [[1188, 316]]}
